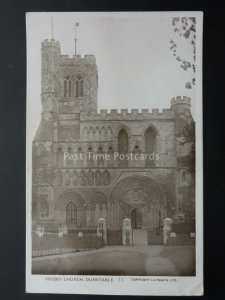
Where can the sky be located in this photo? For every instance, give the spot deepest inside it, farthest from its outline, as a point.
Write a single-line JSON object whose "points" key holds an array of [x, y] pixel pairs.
{"points": [[136, 69]]}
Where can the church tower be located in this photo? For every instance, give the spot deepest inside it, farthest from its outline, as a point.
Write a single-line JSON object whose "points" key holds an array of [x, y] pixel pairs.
{"points": [[78, 84], [50, 53]]}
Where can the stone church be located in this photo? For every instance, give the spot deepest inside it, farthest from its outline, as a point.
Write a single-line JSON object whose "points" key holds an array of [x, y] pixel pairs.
{"points": [[76, 193]]}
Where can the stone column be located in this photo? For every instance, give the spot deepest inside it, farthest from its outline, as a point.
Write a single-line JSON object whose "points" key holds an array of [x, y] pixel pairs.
{"points": [[127, 232]]}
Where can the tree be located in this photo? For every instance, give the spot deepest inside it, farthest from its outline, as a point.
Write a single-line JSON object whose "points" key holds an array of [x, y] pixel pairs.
{"points": [[185, 28]]}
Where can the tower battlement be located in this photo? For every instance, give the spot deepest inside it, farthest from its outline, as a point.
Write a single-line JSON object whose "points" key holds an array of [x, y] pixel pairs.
{"points": [[181, 100], [77, 59], [50, 43]]}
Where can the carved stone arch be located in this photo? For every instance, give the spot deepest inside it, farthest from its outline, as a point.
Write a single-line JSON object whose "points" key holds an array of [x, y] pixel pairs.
{"points": [[109, 134], [97, 134], [98, 197], [103, 134], [150, 125], [91, 134], [125, 127], [85, 134], [70, 195], [135, 182]]}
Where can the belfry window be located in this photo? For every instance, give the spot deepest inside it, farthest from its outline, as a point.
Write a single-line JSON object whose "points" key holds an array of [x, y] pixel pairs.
{"points": [[79, 86], [71, 212], [67, 87]]}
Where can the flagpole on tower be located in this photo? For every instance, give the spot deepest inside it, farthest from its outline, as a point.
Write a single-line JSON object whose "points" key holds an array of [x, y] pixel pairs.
{"points": [[76, 25]]}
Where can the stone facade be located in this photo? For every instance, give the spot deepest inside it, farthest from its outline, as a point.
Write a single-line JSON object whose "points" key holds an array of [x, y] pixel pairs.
{"points": [[76, 193]]}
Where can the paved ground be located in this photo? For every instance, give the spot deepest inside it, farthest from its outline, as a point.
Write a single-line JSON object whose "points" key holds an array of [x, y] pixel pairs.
{"points": [[120, 260]]}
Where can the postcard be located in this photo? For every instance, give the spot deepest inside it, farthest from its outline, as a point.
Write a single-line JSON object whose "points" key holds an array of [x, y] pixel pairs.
{"points": [[114, 199]]}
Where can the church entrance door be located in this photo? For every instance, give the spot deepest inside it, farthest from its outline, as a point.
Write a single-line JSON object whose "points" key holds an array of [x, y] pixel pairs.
{"points": [[136, 218]]}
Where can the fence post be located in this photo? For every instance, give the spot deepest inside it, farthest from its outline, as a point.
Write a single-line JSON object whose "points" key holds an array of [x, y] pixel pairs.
{"points": [[102, 230], [127, 233], [166, 230]]}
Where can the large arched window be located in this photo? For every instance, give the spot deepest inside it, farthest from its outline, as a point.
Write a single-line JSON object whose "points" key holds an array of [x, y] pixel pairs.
{"points": [[79, 87], [123, 147], [67, 87], [71, 212], [150, 145]]}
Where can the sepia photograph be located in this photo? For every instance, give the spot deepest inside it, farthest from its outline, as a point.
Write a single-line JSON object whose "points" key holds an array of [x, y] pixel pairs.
{"points": [[114, 153]]}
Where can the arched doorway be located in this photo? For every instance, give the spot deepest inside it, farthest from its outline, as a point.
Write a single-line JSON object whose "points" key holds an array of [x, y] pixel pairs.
{"points": [[136, 218], [140, 199]]}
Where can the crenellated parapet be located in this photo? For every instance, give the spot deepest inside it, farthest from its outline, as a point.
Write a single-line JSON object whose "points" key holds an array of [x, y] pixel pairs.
{"points": [[181, 101], [50, 43], [124, 114], [181, 106], [77, 60]]}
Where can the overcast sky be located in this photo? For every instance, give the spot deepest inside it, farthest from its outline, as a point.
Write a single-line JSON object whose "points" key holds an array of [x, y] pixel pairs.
{"points": [[136, 69]]}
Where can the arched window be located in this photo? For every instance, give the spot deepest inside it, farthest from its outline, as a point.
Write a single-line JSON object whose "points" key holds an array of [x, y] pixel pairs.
{"points": [[79, 85], [123, 147], [65, 88], [71, 212], [77, 88], [150, 144], [69, 89], [81, 88]]}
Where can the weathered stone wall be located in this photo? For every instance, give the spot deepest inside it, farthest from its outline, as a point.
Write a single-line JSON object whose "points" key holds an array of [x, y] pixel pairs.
{"points": [[105, 188]]}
